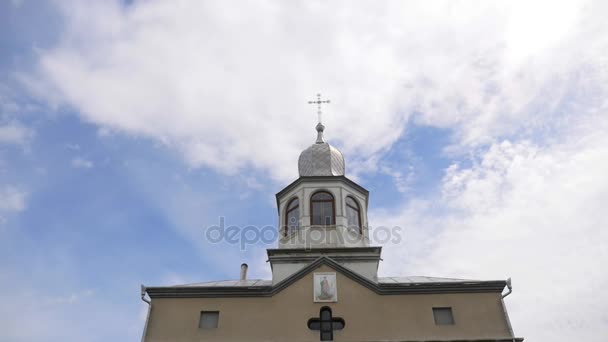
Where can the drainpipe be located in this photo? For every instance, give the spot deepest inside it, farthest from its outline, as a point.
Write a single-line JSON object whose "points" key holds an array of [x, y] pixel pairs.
{"points": [[504, 308], [143, 295], [510, 287], [149, 302]]}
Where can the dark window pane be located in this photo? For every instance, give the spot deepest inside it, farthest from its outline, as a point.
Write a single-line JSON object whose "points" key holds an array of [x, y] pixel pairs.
{"points": [[294, 203], [322, 208], [322, 196], [338, 325], [350, 201], [314, 325], [327, 212], [323, 213], [443, 316], [325, 326], [352, 216], [325, 315], [293, 218], [209, 319], [316, 212]]}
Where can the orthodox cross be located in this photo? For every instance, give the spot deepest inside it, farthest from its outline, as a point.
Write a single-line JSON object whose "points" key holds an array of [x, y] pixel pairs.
{"points": [[326, 324], [318, 102]]}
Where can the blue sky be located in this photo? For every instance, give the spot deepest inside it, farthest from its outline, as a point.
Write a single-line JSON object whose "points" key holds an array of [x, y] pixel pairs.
{"points": [[127, 128]]}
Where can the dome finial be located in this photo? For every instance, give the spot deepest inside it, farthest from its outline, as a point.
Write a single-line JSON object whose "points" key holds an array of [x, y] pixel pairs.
{"points": [[320, 128]]}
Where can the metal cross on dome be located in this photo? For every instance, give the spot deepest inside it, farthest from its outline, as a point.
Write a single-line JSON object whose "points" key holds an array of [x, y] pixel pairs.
{"points": [[318, 102]]}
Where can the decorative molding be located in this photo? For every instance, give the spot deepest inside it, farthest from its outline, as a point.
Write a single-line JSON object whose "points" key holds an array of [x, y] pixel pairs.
{"points": [[339, 254], [307, 259], [324, 250]]}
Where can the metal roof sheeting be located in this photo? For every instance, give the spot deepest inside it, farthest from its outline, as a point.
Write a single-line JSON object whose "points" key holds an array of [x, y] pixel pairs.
{"points": [[381, 280]]}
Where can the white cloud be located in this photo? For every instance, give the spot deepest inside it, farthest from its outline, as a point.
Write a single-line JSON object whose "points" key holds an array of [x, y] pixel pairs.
{"points": [[81, 163], [533, 212], [12, 199], [401, 179], [12, 130], [14, 133], [226, 84]]}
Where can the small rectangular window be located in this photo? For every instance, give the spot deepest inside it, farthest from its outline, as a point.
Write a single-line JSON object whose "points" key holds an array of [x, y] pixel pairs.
{"points": [[443, 316], [209, 319]]}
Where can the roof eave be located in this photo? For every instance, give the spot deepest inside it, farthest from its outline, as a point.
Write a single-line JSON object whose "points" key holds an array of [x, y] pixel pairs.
{"points": [[378, 288]]}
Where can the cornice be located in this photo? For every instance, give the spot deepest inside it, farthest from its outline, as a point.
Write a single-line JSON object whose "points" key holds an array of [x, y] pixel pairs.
{"points": [[378, 288], [324, 250], [339, 254]]}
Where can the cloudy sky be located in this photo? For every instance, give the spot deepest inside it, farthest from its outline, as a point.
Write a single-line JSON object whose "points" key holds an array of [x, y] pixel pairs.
{"points": [[128, 127]]}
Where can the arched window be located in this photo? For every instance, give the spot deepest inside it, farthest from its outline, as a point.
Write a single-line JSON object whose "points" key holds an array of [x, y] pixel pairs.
{"points": [[292, 216], [353, 214], [322, 209]]}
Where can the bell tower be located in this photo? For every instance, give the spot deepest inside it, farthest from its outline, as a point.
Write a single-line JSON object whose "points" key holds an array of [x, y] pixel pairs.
{"points": [[323, 213], [322, 208]]}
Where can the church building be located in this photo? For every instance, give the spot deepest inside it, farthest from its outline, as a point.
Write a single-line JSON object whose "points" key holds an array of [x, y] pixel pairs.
{"points": [[325, 284]]}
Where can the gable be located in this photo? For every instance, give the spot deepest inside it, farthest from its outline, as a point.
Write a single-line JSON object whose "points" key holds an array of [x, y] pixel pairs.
{"points": [[303, 287]]}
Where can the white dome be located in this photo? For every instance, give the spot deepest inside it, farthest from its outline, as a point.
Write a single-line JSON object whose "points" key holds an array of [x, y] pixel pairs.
{"points": [[321, 159]]}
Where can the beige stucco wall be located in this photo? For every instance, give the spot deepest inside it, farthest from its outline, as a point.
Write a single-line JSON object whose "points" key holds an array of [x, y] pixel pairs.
{"points": [[368, 316]]}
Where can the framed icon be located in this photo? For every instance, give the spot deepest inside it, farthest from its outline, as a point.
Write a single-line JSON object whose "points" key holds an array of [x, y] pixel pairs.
{"points": [[325, 287]]}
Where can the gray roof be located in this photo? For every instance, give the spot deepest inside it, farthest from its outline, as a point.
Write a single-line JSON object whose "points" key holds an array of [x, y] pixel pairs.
{"points": [[225, 283], [385, 286], [381, 280], [420, 279]]}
